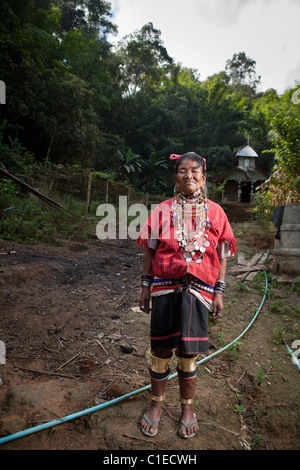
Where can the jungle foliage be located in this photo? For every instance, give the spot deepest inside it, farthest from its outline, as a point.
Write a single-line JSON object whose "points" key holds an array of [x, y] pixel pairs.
{"points": [[74, 98]]}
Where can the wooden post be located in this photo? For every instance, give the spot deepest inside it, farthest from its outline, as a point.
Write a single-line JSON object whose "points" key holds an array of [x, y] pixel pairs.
{"points": [[89, 188], [88, 196], [106, 195]]}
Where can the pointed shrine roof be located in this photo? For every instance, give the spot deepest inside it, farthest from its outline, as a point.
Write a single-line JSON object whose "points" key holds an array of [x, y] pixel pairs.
{"points": [[247, 151]]}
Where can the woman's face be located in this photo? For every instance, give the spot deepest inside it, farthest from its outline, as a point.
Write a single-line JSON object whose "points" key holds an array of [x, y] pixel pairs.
{"points": [[190, 178]]}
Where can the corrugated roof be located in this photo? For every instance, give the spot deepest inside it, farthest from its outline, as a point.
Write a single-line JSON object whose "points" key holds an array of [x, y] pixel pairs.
{"points": [[247, 152], [240, 175]]}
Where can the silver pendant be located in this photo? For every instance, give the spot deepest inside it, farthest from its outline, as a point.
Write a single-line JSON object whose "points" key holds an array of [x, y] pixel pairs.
{"points": [[206, 243]]}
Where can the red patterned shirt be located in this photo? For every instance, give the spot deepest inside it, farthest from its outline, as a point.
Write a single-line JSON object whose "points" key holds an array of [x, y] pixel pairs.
{"points": [[168, 261]]}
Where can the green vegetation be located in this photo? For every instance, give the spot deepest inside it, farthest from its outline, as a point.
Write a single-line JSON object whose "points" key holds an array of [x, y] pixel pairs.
{"points": [[76, 102], [279, 335], [27, 219], [73, 98], [260, 375]]}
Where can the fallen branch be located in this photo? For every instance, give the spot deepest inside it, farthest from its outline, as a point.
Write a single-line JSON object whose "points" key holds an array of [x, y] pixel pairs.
{"points": [[36, 371], [68, 362], [240, 436], [35, 192], [59, 341], [241, 377], [102, 347]]}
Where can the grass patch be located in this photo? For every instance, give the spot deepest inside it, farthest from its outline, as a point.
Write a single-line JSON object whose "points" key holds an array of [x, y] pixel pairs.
{"points": [[26, 219]]}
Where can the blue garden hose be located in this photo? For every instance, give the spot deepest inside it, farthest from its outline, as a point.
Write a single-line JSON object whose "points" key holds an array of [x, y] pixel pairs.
{"points": [[78, 414], [295, 359]]}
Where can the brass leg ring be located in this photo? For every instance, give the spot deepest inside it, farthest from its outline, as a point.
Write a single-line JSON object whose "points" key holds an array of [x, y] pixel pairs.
{"points": [[158, 397], [186, 401]]}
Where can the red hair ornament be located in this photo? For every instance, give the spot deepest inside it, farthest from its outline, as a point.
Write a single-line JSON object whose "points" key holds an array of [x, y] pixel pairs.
{"points": [[174, 156]]}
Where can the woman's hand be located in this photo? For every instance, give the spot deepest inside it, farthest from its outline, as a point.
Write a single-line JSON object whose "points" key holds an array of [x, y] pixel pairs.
{"points": [[218, 306], [145, 299]]}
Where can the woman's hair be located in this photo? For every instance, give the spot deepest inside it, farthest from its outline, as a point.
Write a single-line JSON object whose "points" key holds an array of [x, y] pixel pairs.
{"points": [[191, 156]]}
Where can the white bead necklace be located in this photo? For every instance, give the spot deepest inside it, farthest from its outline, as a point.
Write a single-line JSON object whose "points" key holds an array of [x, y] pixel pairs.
{"points": [[191, 223]]}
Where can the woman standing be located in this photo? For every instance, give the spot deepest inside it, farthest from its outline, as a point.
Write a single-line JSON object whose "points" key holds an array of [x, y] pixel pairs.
{"points": [[187, 241]]}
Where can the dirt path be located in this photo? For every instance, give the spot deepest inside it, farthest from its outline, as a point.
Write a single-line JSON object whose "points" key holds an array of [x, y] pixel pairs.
{"points": [[75, 338]]}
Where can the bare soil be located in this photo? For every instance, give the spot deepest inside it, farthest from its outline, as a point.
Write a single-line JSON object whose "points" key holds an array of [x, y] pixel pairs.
{"points": [[75, 338]]}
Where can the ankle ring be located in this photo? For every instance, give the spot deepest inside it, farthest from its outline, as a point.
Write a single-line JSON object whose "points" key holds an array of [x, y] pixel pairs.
{"points": [[158, 397], [186, 401]]}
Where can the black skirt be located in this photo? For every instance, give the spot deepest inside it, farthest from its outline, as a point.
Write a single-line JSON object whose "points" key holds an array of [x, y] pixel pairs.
{"points": [[179, 319]]}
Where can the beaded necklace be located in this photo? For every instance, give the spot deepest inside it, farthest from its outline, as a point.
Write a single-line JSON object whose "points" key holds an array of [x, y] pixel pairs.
{"points": [[188, 211]]}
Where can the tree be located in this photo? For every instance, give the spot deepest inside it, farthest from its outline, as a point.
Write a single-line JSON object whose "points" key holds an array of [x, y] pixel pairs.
{"points": [[284, 133], [144, 58], [55, 104], [71, 96], [286, 141], [86, 15], [241, 70], [259, 118]]}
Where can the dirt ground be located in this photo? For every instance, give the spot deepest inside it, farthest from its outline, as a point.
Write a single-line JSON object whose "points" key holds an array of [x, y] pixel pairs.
{"points": [[75, 339]]}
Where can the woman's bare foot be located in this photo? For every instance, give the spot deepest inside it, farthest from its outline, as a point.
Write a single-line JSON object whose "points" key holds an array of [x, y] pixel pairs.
{"points": [[150, 425], [189, 426]]}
